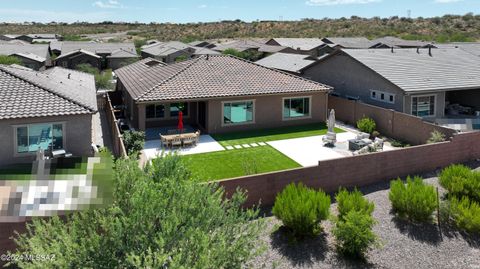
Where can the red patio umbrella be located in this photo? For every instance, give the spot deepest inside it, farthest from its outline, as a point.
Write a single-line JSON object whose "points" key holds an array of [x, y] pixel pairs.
{"points": [[180, 121]]}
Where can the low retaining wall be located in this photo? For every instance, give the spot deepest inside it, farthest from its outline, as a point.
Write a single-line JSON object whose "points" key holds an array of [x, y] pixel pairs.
{"points": [[390, 123], [359, 170]]}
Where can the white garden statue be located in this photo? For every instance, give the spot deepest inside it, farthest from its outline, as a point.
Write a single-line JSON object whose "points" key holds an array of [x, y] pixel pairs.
{"points": [[331, 137]]}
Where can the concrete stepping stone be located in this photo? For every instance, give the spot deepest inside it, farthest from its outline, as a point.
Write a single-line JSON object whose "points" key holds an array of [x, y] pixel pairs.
{"points": [[262, 143], [254, 145], [238, 146], [246, 145], [229, 147]]}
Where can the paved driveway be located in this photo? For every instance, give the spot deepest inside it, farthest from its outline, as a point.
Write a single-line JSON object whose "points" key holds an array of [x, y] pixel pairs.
{"points": [[307, 151]]}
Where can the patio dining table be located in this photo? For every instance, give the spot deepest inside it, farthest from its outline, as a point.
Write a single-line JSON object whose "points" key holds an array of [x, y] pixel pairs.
{"points": [[169, 138]]}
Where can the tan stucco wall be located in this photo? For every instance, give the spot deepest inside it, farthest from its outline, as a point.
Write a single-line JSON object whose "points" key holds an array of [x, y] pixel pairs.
{"points": [[268, 112], [77, 135], [352, 79]]}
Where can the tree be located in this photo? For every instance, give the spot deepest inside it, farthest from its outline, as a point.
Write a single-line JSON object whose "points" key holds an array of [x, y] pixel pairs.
{"points": [[103, 80], [159, 218]]}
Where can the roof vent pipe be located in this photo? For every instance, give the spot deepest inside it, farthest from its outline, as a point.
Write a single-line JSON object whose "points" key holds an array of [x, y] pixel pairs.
{"points": [[207, 56], [430, 50], [392, 49], [418, 50], [69, 74]]}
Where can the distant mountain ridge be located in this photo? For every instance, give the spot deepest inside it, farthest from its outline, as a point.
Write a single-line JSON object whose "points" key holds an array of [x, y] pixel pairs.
{"points": [[449, 28]]}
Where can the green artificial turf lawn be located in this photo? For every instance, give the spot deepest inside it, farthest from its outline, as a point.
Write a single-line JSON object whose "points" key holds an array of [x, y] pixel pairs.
{"points": [[237, 162], [265, 135]]}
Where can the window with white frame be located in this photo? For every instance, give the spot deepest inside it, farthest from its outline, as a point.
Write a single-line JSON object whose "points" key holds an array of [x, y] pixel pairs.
{"points": [[423, 106], [46, 136], [382, 96], [298, 107], [238, 112]]}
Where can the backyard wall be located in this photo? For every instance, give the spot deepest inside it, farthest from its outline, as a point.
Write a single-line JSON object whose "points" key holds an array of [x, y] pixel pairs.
{"points": [[390, 123], [359, 170]]}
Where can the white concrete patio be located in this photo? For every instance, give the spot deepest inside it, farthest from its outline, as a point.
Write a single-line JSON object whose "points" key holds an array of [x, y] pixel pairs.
{"points": [[308, 151], [152, 148]]}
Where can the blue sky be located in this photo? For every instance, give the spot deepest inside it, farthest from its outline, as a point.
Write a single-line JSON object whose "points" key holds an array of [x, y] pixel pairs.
{"points": [[214, 10]]}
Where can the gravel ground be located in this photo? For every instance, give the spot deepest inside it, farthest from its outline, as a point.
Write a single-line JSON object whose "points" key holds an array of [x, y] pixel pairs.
{"points": [[401, 244]]}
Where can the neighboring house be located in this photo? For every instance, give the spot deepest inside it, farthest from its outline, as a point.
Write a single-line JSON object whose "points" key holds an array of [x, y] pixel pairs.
{"points": [[310, 46], [218, 93], [74, 58], [35, 56], [251, 45], [348, 42], [39, 38], [395, 42], [31, 60], [421, 82], [8, 37], [99, 55], [168, 52], [49, 110], [202, 44], [204, 51], [292, 63]]}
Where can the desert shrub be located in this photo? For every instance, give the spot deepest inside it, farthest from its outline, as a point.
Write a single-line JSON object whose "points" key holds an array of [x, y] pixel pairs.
{"points": [[354, 234], [460, 180], [8, 60], [154, 221], [465, 214], [366, 125], [415, 200], [398, 143], [301, 209], [436, 137], [134, 141], [352, 201]]}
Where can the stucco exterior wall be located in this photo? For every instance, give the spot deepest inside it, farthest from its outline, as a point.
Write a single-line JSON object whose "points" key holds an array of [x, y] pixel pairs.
{"points": [[268, 112], [352, 79], [77, 136]]}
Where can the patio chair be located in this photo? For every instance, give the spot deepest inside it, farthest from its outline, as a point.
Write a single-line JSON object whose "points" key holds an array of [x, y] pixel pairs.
{"points": [[176, 141], [189, 140], [197, 137]]}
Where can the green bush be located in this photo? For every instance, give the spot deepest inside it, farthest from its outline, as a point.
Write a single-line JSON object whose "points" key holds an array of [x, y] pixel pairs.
{"points": [[398, 143], [301, 209], [460, 180], [415, 200], [366, 125], [154, 221], [465, 214], [354, 234], [134, 141], [8, 60], [436, 137], [352, 201]]}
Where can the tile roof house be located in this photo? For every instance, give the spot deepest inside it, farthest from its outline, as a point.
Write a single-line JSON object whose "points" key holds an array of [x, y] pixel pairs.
{"points": [[348, 42], [422, 82], [167, 52], [310, 46], [218, 93], [395, 42], [470, 47], [292, 63], [246, 45], [35, 56], [99, 55], [49, 110], [202, 44]]}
